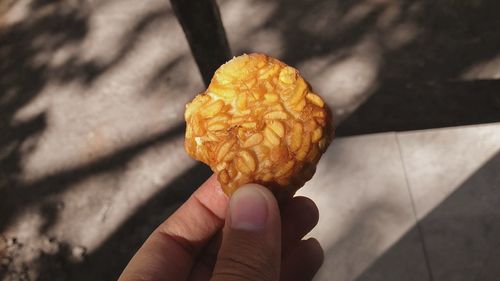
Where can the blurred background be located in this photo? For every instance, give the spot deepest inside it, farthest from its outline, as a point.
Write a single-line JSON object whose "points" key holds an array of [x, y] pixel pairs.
{"points": [[92, 94]]}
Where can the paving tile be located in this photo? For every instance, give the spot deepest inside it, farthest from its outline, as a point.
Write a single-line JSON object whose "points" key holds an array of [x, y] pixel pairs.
{"points": [[454, 177], [366, 218]]}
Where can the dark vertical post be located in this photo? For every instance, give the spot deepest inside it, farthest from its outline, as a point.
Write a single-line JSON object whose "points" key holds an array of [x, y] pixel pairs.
{"points": [[202, 25]]}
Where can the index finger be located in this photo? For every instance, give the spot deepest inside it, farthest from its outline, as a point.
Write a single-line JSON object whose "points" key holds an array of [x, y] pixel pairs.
{"points": [[170, 251]]}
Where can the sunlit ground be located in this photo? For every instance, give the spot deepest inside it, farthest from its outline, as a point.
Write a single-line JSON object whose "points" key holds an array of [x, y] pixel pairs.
{"points": [[92, 95]]}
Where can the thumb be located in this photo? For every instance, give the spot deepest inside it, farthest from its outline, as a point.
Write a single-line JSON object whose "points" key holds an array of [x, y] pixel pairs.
{"points": [[251, 243]]}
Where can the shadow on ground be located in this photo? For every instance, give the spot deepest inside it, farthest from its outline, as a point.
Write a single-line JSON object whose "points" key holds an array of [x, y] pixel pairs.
{"points": [[26, 50], [460, 236], [108, 261], [426, 48], [417, 86]]}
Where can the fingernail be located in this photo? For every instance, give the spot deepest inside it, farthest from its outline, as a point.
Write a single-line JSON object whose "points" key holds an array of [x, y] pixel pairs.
{"points": [[248, 208]]}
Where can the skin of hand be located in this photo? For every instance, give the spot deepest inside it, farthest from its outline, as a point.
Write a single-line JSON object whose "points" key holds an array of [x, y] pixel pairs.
{"points": [[212, 237]]}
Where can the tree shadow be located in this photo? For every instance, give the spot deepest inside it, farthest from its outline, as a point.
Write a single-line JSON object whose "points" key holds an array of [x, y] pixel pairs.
{"points": [[22, 78], [109, 260], [459, 236], [422, 85], [402, 106], [422, 48], [22, 195], [27, 48]]}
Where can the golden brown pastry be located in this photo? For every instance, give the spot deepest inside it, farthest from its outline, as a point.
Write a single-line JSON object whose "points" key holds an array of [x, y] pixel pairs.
{"points": [[260, 122]]}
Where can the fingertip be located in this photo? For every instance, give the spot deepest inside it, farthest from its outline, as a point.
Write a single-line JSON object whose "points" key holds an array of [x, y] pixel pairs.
{"points": [[314, 251], [253, 206], [304, 261], [249, 208], [251, 244], [211, 194], [215, 185], [259, 187], [266, 193], [303, 211], [308, 206]]}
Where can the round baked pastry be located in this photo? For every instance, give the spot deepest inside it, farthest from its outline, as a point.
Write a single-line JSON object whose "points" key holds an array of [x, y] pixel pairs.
{"points": [[260, 122]]}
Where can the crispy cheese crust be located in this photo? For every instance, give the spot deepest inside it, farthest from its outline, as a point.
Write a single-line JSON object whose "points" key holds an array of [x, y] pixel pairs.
{"points": [[258, 121]]}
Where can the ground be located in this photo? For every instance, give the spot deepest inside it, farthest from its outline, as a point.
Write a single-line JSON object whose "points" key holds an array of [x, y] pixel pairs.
{"points": [[92, 94]]}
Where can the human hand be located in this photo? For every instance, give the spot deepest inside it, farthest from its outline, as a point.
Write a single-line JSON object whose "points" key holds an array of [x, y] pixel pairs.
{"points": [[256, 243]]}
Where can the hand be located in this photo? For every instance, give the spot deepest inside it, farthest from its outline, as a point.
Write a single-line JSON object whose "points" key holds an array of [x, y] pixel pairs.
{"points": [[255, 244]]}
